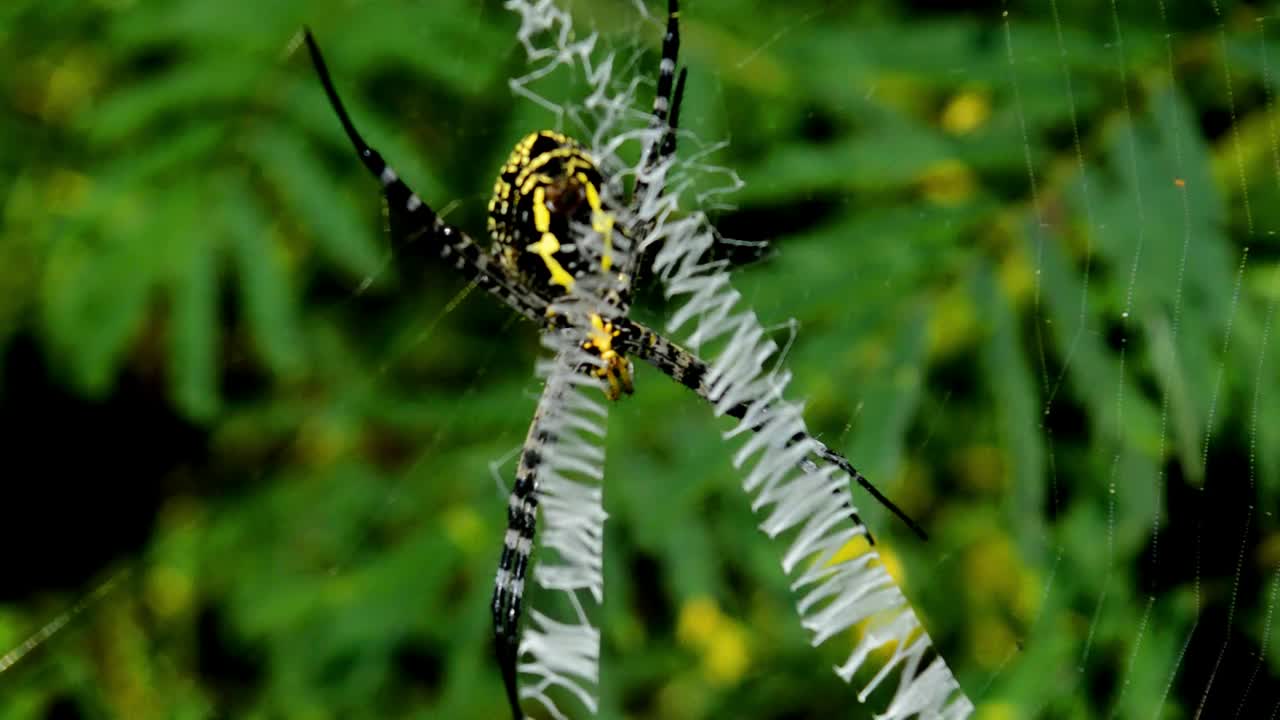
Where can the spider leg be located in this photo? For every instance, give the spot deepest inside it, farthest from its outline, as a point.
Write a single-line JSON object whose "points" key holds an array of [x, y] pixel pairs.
{"points": [[513, 564], [666, 105], [687, 369], [412, 219], [665, 121]]}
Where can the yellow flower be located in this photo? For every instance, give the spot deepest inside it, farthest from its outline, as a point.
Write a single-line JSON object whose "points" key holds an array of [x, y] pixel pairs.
{"points": [[698, 621], [965, 113], [725, 658], [949, 182], [720, 641]]}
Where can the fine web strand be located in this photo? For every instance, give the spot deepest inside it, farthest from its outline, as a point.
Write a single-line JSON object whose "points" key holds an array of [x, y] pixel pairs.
{"points": [[1259, 382], [1159, 477], [559, 655], [812, 508], [38, 638], [1263, 645], [1237, 153], [1231, 614], [834, 595], [1091, 225], [1040, 230], [1274, 137], [1133, 656], [1125, 315], [1202, 491], [1053, 385], [1236, 143], [386, 365]]}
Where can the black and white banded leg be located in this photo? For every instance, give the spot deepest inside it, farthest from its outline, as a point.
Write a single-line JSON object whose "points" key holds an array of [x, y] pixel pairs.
{"points": [[666, 102], [689, 370], [414, 225], [664, 122], [513, 564]]}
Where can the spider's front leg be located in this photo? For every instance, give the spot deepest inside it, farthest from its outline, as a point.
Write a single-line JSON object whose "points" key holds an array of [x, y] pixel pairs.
{"points": [[689, 370], [414, 221], [665, 119], [664, 122]]}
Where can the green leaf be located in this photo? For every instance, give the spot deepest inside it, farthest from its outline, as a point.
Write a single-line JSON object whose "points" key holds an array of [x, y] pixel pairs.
{"points": [[265, 283], [95, 292], [194, 87], [1011, 382], [305, 186], [193, 324]]}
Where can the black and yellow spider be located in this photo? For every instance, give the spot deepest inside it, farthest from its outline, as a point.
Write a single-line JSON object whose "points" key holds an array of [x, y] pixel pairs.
{"points": [[548, 190]]}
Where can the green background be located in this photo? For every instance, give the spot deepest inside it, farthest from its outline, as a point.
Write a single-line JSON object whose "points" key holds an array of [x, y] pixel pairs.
{"points": [[1031, 249]]}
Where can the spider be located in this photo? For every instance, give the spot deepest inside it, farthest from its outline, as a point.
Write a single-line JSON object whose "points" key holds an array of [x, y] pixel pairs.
{"points": [[549, 188]]}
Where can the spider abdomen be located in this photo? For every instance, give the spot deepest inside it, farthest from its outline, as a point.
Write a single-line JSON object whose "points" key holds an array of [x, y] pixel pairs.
{"points": [[547, 216]]}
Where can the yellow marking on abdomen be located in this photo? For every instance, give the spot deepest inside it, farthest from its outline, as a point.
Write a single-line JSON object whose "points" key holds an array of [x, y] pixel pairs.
{"points": [[601, 221], [549, 244]]}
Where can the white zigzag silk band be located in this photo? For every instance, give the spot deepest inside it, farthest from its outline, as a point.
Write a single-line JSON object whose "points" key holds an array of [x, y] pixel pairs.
{"points": [[812, 508], [559, 657], [571, 417]]}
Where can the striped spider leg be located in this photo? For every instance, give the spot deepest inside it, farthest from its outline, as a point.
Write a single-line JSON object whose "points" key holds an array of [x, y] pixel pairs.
{"points": [[663, 124], [548, 187], [413, 221], [521, 512], [517, 545], [690, 371], [674, 361]]}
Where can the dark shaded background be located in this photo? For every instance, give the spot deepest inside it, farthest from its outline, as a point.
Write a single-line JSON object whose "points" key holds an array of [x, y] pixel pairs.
{"points": [[1031, 248]]}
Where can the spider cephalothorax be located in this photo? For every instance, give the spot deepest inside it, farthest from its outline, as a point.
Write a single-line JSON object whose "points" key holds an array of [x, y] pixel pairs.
{"points": [[556, 240]]}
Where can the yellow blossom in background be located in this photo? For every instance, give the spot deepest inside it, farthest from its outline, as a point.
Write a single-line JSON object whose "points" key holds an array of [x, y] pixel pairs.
{"points": [[1016, 273], [949, 182], [882, 655], [954, 324], [698, 619], [859, 546], [1026, 603], [725, 658], [720, 641], [892, 565], [965, 113], [465, 530], [856, 547]]}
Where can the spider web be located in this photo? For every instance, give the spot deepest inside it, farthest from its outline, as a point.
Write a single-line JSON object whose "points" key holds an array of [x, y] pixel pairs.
{"points": [[1148, 212], [1148, 350], [1127, 297], [835, 593]]}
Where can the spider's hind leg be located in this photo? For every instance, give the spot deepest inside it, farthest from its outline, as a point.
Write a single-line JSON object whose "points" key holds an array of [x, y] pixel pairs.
{"points": [[513, 564]]}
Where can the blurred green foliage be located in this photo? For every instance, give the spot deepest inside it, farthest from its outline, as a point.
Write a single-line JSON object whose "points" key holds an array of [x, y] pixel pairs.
{"points": [[1031, 249]]}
